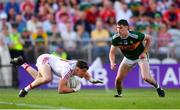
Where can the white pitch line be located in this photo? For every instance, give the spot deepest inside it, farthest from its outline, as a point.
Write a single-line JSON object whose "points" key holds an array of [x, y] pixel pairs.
{"points": [[30, 105]]}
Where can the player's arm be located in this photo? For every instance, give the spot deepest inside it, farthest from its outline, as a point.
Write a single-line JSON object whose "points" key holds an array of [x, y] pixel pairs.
{"points": [[90, 79], [63, 89], [147, 42], [112, 54]]}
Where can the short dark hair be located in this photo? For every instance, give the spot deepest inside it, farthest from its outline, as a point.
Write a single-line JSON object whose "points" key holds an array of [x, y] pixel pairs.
{"points": [[123, 22], [82, 64]]}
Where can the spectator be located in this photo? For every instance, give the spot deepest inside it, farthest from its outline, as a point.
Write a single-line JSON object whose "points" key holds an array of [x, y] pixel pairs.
{"points": [[16, 48], [27, 3], [27, 13], [164, 41], [100, 36], [85, 5], [70, 38], [134, 6], [107, 11], [171, 17], [59, 51], [142, 23], [53, 5], [82, 20], [132, 22], [54, 37], [43, 11], [20, 22], [55, 34], [158, 21], [28, 46], [12, 4], [47, 24], [110, 25], [5, 56], [4, 22], [64, 17], [150, 31], [83, 36], [38, 5], [124, 13], [151, 11], [163, 5], [91, 15], [32, 24], [11, 15], [141, 10], [41, 40]]}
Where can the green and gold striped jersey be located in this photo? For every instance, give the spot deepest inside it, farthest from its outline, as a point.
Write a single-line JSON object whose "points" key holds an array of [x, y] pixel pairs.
{"points": [[131, 46]]}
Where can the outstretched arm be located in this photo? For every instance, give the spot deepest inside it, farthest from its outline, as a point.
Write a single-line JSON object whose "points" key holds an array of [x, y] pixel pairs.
{"points": [[90, 79]]}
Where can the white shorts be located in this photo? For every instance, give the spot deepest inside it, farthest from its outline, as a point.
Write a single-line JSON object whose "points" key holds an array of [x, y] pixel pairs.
{"points": [[42, 59], [132, 63], [59, 67]]}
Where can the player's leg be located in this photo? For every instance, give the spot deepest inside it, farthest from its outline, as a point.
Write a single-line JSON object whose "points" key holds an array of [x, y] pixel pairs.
{"points": [[43, 77], [20, 62], [45, 72], [145, 72], [122, 72], [33, 72]]}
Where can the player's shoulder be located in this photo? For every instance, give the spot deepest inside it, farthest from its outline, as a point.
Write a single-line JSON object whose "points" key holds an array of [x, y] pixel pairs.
{"points": [[135, 34], [116, 35]]}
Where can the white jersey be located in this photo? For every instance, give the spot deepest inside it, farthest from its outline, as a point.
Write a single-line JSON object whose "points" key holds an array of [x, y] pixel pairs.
{"points": [[60, 67]]}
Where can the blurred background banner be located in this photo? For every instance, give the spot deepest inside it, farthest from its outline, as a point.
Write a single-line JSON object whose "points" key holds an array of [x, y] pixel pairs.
{"points": [[167, 75]]}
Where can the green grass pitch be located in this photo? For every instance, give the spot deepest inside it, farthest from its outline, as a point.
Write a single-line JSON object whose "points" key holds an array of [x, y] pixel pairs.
{"points": [[90, 99]]}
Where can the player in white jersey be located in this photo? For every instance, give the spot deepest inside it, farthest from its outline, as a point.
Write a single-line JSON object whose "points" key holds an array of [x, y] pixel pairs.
{"points": [[48, 64]]}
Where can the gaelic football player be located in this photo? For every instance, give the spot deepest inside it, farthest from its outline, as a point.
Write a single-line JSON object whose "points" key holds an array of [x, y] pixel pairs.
{"points": [[134, 46]]}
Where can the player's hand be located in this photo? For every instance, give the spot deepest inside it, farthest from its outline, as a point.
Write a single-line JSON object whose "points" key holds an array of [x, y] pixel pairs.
{"points": [[78, 87], [75, 89], [113, 66], [142, 56], [96, 81]]}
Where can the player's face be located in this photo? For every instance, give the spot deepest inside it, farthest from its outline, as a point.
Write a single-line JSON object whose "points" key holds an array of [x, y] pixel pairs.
{"points": [[81, 72], [122, 29]]}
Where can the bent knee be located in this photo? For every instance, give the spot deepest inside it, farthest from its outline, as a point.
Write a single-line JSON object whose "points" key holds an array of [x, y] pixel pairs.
{"points": [[145, 78], [47, 80], [119, 79]]}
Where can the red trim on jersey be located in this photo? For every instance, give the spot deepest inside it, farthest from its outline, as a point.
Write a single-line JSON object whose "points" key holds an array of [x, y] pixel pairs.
{"points": [[68, 75], [45, 59]]}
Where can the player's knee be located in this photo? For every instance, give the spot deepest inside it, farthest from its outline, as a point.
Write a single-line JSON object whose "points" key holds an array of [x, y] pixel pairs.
{"points": [[145, 78], [118, 79], [47, 80]]}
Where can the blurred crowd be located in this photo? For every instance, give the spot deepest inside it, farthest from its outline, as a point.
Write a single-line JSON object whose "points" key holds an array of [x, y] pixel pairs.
{"points": [[75, 28]]}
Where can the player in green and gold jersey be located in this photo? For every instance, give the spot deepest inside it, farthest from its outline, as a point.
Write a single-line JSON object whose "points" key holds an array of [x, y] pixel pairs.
{"points": [[134, 46]]}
